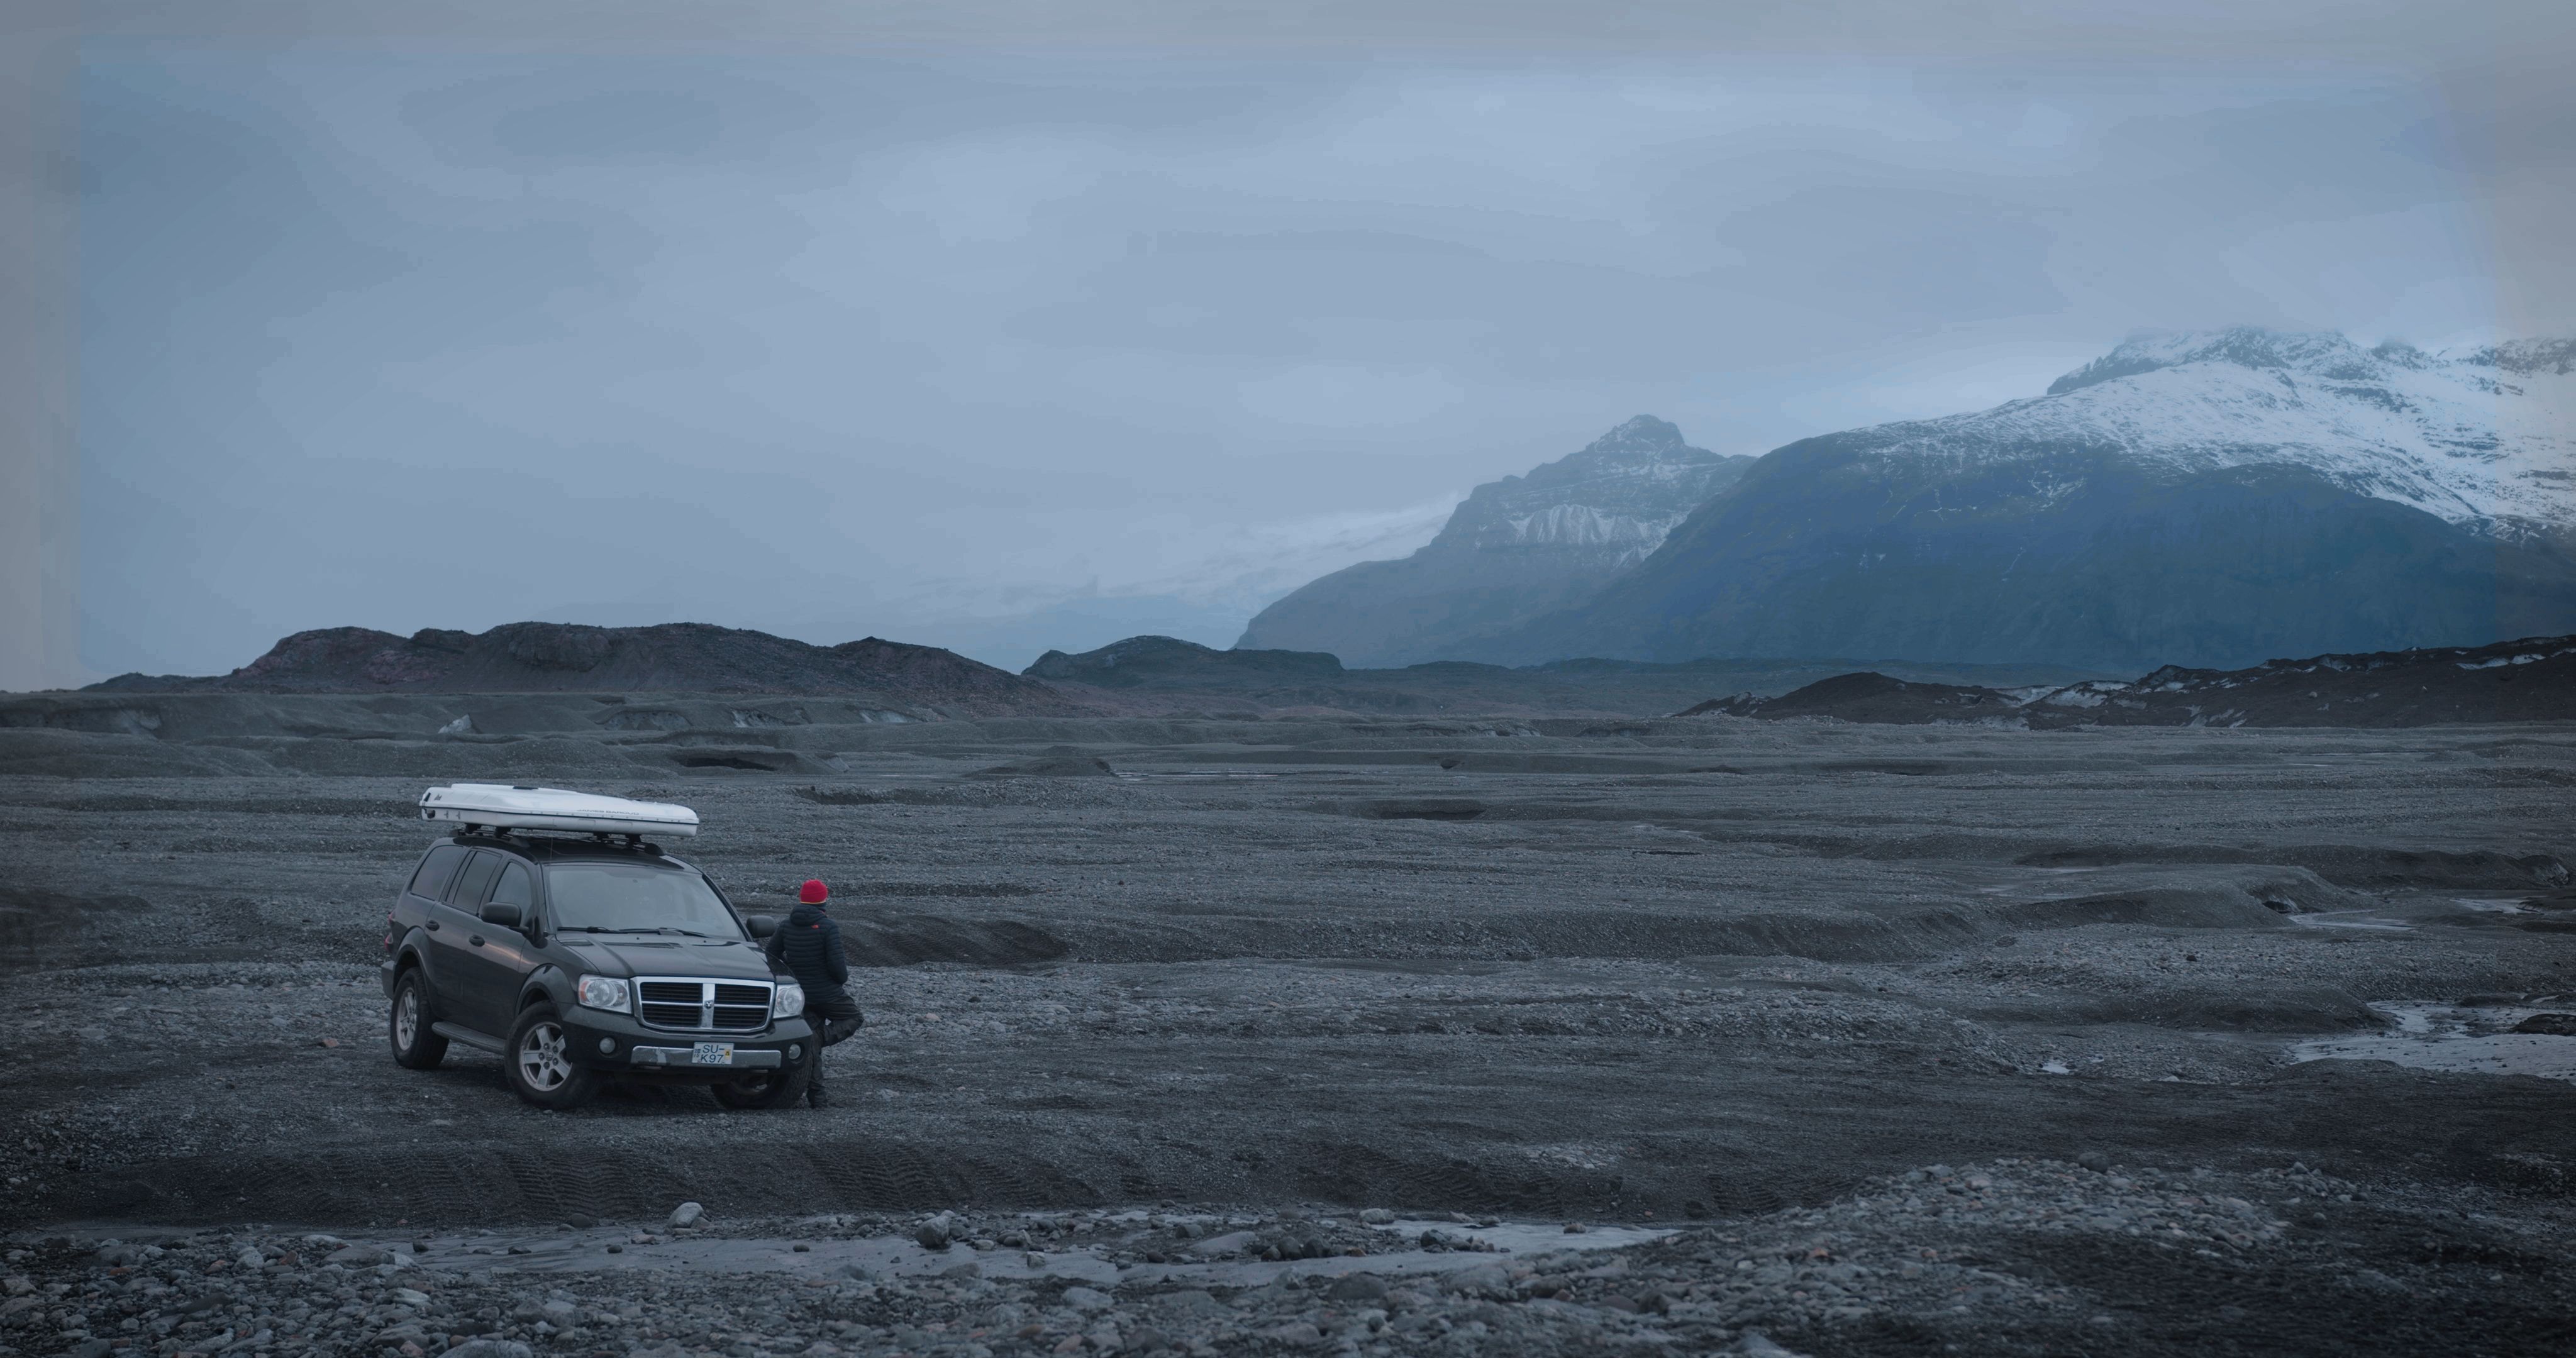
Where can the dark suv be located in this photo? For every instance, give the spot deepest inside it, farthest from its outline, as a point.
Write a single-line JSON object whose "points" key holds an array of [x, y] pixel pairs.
{"points": [[579, 959]]}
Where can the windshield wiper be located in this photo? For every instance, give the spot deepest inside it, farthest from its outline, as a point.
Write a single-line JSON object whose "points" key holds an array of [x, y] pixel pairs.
{"points": [[630, 929]]}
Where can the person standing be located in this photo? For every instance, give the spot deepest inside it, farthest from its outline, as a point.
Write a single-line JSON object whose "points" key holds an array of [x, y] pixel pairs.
{"points": [[808, 947]]}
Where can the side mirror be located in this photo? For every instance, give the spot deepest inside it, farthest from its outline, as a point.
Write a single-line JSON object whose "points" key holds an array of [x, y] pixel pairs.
{"points": [[504, 916], [761, 926]]}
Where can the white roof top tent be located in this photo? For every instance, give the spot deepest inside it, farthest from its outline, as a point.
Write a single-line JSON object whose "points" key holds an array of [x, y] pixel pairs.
{"points": [[501, 806]]}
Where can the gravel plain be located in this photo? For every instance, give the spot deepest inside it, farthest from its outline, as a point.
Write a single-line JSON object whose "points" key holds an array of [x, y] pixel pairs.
{"points": [[1672, 1036]]}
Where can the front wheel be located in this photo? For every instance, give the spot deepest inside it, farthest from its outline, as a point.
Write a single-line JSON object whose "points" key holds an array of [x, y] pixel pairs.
{"points": [[540, 1061], [407, 1027], [779, 1088]]}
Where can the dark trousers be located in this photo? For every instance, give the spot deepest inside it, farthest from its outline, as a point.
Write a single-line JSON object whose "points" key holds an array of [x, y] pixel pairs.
{"points": [[834, 1016]]}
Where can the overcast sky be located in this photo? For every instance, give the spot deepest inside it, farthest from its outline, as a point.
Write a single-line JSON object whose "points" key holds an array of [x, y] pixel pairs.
{"points": [[1042, 343]]}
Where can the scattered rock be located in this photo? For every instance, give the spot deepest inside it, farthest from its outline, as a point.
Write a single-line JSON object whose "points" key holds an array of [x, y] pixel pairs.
{"points": [[1086, 1299], [2095, 1161], [1485, 1280], [1361, 1287], [686, 1215], [2548, 1025]]}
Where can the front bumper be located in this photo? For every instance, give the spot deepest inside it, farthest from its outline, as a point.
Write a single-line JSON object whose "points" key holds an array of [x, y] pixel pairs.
{"points": [[603, 1040], [685, 1058]]}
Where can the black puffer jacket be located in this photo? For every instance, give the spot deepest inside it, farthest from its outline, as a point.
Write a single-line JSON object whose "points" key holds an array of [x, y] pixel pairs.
{"points": [[808, 945]]}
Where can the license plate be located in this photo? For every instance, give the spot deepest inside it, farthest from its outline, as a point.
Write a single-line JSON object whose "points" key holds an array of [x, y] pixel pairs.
{"points": [[712, 1054]]}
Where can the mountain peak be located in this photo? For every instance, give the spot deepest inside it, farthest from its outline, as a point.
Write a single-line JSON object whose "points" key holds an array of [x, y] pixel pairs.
{"points": [[2319, 354], [1516, 547], [1641, 432], [1643, 446]]}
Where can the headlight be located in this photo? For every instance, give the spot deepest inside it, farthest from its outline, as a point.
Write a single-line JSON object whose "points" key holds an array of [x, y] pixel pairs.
{"points": [[788, 1001], [602, 992]]}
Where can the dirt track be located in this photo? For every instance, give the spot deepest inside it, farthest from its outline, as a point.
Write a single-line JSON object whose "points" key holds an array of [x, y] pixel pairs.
{"points": [[1681, 972]]}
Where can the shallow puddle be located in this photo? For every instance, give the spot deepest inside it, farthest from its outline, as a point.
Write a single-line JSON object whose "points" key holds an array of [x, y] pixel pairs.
{"points": [[2512, 905], [2351, 919], [2454, 1038]]}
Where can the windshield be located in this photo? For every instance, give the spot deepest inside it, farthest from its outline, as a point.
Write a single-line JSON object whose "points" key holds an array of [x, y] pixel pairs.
{"points": [[630, 897]]}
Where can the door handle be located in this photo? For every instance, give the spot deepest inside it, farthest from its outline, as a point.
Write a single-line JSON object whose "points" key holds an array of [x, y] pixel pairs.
{"points": [[477, 940]]}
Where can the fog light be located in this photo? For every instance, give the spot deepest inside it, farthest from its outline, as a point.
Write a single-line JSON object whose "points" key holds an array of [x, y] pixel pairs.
{"points": [[795, 1051], [608, 1046]]}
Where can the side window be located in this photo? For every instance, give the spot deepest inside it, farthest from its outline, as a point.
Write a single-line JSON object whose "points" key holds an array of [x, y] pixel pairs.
{"points": [[516, 887], [436, 871], [474, 881]]}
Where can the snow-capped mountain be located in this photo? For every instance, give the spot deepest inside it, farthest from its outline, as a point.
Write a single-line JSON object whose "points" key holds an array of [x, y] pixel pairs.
{"points": [[2210, 499], [1602, 509], [2485, 439], [1515, 549]]}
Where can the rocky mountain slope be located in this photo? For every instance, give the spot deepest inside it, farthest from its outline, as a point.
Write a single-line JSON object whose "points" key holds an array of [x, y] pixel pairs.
{"points": [[1517, 548], [2205, 500], [2533, 679], [545, 657]]}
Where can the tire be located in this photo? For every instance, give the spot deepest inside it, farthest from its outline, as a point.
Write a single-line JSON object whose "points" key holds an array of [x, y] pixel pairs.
{"points": [[536, 1064], [758, 1089], [407, 1025]]}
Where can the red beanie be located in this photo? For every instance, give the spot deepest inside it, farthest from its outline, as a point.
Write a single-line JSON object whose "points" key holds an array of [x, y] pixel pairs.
{"points": [[813, 893]]}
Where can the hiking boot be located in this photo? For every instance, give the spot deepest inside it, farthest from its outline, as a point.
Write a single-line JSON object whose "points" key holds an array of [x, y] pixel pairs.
{"points": [[816, 1098]]}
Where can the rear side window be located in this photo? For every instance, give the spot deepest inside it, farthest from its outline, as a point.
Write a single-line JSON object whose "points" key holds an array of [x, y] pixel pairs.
{"points": [[476, 880], [436, 871]]}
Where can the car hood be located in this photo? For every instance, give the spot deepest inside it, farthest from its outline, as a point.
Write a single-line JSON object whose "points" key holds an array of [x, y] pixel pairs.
{"points": [[669, 957]]}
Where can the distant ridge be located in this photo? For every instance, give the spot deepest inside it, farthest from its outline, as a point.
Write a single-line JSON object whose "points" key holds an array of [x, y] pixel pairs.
{"points": [[1165, 675], [1169, 661], [684, 657], [2533, 679]]}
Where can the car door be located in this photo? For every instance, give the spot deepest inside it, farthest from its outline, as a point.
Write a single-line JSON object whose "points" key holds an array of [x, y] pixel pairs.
{"points": [[508, 955], [466, 985], [425, 903]]}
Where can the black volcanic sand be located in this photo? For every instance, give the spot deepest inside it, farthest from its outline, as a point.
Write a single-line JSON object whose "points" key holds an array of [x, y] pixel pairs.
{"points": [[1803, 990]]}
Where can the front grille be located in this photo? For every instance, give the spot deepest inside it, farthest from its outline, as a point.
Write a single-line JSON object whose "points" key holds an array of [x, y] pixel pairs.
{"points": [[702, 1006], [741, 1006]]}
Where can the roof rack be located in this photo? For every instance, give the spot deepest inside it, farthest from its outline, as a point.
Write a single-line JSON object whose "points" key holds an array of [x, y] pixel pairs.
{"points": [[503, 807]]}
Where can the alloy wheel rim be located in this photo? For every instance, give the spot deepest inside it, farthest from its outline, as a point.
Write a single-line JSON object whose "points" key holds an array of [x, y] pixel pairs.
{"points": [[407, 1017], [541, 1058]]}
